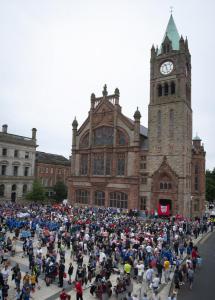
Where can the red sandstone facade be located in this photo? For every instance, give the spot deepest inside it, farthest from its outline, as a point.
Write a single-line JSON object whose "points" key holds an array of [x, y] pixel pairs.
{"points": [[116, 162], [50, 169], [106, 156], [110, 160]]}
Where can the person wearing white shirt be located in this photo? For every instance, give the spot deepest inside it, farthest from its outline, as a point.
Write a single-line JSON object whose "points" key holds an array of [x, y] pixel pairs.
{"points": [[155, 282], [140, 271], [149, 275], [148, 249]]}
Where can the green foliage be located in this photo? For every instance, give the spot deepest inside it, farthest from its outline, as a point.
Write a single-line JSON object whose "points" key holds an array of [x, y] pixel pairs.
{"points": [[60, 190], [37, 193], [210, 185]]}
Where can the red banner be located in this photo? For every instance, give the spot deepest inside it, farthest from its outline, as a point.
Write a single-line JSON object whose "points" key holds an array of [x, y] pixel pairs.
{"points": [[163, 210]]}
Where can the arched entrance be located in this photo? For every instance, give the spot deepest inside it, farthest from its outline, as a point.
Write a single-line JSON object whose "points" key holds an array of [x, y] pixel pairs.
{"points": [[165, 189]]}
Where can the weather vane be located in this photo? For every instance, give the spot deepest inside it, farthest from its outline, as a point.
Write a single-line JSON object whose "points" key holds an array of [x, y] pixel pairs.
{"points": [[171, 9]]}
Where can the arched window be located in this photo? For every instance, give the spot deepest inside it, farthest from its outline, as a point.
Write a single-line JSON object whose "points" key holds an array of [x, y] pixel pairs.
{"points": [[159, 123], [166, 89], [121, 164], [84, 164], [172, 88], [2, 188], [82, 196], [171, 122], [14, 187], [122, 138], [24, 188], [99, 198], [119, 200], [98, 163], [159, 90], [84, 143], [103, 136], [161, 185], [165, 186]]}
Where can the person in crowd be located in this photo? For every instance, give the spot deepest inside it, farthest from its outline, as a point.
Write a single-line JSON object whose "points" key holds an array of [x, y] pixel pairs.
{"points": [[79, 290], [64, 295], [99, 242]]}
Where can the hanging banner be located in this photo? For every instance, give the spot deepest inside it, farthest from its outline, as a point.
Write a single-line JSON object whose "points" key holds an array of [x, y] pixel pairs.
{"points": [[163, 210]]}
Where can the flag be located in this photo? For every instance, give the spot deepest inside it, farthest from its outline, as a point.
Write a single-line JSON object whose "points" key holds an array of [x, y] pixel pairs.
{"points": [[163, 210]]}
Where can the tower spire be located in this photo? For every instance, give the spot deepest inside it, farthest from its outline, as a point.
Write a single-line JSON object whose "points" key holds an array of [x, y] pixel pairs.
{"points": [[172, 34]]}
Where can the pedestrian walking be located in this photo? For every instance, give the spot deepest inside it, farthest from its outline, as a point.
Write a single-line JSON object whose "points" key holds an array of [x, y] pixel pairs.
{"points": [[79, 290]]}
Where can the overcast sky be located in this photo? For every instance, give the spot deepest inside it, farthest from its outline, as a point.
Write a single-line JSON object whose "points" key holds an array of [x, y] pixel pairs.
{"points": [[55, 53]]}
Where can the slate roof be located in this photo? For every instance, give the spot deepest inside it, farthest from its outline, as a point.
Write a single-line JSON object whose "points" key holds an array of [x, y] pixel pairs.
{"points": [[49, 158], [143, 129]]}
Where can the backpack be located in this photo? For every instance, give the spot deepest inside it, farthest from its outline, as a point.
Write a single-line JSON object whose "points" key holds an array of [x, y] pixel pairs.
{"points": [[190, 274]]}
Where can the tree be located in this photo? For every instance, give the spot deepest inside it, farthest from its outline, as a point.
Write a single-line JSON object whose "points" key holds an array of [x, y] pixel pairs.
{"points": [[210, 185], [37, 193], [60, 190]]}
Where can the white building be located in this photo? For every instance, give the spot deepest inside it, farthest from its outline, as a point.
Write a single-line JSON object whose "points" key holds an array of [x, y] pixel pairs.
{"points": [[17, 163]]}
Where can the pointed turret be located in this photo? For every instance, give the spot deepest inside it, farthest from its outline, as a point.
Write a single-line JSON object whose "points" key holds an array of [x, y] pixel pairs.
{"points": [[186, 44], [181, 43], [172, 34], [137, 117], [74, 133], [153, 52], [105, 92], [75, 123]]}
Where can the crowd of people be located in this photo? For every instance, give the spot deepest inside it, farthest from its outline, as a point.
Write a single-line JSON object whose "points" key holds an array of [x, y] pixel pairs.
{"points": [[102, 243]]}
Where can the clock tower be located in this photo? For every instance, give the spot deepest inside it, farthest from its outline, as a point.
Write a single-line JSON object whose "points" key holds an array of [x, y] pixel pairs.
{"points": [[170, 123]]}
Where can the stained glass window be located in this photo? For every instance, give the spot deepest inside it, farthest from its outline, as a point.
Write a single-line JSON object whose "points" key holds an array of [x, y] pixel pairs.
{"points": [[84, 164], [82, 196], [143, 201], [99, 198], [121, 164], [103, 136], [121, 138], [98, 164], [119, 200], [108, 168], [84, 143], [165, 185]]}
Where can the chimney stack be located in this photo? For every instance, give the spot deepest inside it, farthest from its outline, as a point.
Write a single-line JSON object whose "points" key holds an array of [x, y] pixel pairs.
{"points": [[34, 133], [4, 128]]}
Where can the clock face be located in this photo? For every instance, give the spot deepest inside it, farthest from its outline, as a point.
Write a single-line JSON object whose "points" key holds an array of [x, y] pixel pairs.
{"points": [[166, 67]]}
